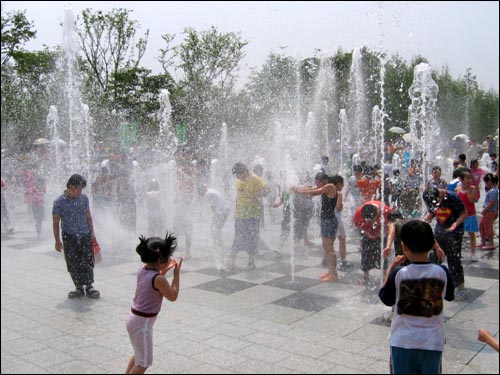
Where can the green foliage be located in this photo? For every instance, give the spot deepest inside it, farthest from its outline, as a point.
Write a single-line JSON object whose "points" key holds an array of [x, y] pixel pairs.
{"points": [[118, 89], [108, 45], [208, 61], [273, 88], [27, 87], [342, 65], [398, 79], [137, 94], [16, 30], [110, 68], [484, 114], [35, 64]]}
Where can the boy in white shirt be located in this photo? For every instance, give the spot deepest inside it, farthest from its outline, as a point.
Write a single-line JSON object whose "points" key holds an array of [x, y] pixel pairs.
{"points": [[417, 291]]}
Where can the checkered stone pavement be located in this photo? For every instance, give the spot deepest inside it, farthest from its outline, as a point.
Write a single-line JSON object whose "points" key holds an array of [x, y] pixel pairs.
{"points": [[266, 320]]}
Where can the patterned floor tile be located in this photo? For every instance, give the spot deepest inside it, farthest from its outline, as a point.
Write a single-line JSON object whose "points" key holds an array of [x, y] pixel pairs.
{"points": [[225, 286], [306, 301]]}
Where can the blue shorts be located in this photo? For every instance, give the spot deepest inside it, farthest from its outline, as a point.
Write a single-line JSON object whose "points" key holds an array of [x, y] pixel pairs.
{"points": [[246, 235], [415, 361], [470, 224], [329, 227]]}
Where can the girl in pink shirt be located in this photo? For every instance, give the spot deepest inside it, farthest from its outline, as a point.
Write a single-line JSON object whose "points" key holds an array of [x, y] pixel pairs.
{"points": [[152, 286]]}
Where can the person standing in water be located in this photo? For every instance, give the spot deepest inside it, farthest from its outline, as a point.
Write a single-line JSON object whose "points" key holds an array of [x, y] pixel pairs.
{"points": [[328, 192], [71, 216], [152, 287]]}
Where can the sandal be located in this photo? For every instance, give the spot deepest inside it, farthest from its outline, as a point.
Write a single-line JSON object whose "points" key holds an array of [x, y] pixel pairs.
{"points": [[92, 292], [77, 293]]}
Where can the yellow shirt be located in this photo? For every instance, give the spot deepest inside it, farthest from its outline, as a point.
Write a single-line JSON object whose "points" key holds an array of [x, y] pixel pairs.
{"points": [[247, 199]]}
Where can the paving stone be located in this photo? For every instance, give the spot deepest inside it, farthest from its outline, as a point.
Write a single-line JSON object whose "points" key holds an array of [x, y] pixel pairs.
{"points": [[251, 321]]}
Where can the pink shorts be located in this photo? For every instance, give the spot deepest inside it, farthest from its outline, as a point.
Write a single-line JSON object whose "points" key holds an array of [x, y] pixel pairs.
{"points": [[140, 331], [486, 225]]}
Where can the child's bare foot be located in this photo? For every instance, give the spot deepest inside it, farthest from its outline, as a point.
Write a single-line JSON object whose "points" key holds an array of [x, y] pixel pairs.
{"points": [[330, 278], [325, 275]]}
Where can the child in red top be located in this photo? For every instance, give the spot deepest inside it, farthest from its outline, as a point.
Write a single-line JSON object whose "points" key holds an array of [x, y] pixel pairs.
{"points": [[469, 195], [369, 185], [35, 195], [368, 220]]}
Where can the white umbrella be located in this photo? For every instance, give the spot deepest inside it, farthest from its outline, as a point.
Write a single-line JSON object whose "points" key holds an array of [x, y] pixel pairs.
{"points": [[462, 136], [40, 141], [407, 137], [397, 130], [59, 142]]}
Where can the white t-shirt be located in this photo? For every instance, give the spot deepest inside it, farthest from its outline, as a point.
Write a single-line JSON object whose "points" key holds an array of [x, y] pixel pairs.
{"points": [[418, 319], [217, 202]]}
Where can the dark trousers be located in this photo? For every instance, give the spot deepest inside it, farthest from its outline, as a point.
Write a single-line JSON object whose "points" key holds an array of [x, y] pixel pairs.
{"points": [[451, 243], [246, 235], [370, 253], [286, 223], [79, 259]]}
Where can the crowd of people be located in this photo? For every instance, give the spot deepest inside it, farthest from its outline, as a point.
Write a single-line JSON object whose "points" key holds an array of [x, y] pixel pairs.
{"points": [[392, 206]]}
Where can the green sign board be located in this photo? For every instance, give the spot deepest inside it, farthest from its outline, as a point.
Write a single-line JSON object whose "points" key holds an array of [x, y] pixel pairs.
{"points": [[181, 132], [128, 132]]}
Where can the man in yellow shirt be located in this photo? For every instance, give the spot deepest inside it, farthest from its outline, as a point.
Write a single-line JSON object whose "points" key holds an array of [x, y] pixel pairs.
{"points": [[250, 188]]}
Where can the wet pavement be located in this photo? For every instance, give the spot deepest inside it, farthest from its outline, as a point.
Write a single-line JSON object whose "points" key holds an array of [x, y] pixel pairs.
{"points": [[266, 320]]}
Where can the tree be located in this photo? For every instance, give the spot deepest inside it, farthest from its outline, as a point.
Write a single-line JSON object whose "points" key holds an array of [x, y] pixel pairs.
{"points": [[108, 46], [110, 53], [484, 114], [451, 104], [16, 31], [208, 61], [137, 96], [26, 83], [398, 79], [273, 90], [27, 90]]}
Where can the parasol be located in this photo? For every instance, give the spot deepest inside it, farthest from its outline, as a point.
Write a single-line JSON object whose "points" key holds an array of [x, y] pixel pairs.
{"points": [[462, 136], [40, 141], [397, 130], [407, 137], [59, 142]]}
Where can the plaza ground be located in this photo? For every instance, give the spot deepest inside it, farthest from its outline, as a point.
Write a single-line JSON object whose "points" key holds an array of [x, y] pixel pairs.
{"points": [[267, 320]]}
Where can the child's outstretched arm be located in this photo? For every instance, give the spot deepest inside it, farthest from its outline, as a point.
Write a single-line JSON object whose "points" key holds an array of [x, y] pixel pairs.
{"points": [[170, 292], [439, 252], [396, 262], [390, 239], [487, 337]]}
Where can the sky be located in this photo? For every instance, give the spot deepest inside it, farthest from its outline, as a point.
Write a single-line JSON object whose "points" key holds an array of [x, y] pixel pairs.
{"points": [[458, 34]]}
